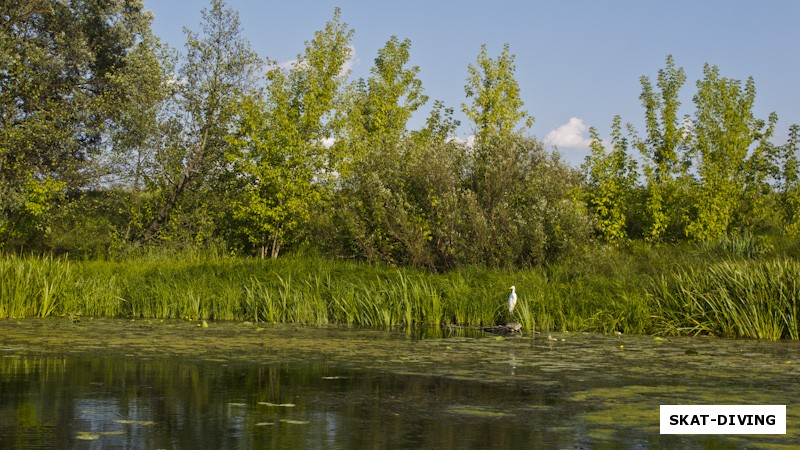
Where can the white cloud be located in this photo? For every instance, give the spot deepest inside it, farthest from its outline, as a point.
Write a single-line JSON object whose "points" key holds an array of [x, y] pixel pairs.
{"points": [[348, 65], [288, 65], [172, 80], [351, 62], [328, 142], [469, 141], [572, 134]]}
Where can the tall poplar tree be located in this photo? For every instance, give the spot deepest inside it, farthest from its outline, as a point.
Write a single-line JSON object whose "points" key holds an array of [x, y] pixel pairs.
{"points": [[496, 108], [280, 149], [787, 177], [724, 132], [375, 208], [610, 177], [381, 105], [662, 148], [500, 122]]}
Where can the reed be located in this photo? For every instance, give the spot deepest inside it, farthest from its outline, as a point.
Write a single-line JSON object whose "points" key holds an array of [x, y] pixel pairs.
{"points": [[736, 298], [639, 290]]}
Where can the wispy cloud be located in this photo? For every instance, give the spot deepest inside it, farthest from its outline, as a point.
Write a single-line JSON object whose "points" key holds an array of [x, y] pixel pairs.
{"points": [[351, 62], [572, 134], [327, 142], [288, 65], [469, 141], [348, 65]]}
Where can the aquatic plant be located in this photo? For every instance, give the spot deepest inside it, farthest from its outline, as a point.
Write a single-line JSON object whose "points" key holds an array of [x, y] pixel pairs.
{"points": [[735, 298], [662, 290]]}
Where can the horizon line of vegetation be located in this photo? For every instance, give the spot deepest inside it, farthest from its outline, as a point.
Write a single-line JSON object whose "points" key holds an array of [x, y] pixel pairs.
{"points": [[109, 141], [736, 287]]}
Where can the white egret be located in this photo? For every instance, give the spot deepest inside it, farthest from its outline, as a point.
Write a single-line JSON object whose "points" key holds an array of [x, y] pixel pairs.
{"points": [[512, 300]]}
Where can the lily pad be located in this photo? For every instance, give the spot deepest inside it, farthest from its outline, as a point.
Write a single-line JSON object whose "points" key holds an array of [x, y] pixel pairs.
{"points": [[112, 433], [87, 436], [477, 412], [295, 422], [135, 422]]}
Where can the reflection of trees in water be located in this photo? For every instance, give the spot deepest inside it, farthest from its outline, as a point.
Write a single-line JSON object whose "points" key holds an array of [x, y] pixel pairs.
{"points": [[48, 401]]}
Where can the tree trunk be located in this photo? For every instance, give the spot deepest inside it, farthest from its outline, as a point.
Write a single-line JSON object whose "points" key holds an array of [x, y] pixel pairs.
{"points": [[163, 214], [276, 245], [193, 167]]}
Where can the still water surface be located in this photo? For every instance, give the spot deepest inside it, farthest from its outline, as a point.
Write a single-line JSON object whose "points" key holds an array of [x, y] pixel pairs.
{"points": [[121, 384]]}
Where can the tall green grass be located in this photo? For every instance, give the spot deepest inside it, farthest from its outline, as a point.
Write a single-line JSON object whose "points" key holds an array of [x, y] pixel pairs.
{"points": [[309, 291], [735, 298], [668, 290]]}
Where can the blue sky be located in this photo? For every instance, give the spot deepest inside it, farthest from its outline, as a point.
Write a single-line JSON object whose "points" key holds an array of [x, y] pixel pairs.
{"points": [[578, 61]]}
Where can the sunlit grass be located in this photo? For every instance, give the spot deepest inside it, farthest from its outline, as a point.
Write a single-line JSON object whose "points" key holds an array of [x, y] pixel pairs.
{"points": [[736, 298], [642, 290]]}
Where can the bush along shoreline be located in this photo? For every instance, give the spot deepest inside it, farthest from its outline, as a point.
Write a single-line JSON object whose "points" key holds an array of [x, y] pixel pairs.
{"points": [[669, 290]]}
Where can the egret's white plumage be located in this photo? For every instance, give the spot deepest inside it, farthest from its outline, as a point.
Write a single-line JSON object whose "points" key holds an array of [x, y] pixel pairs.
{"points": [[512, 300]]}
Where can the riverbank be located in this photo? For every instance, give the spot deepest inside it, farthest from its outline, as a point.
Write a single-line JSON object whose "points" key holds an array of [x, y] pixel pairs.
{"points": [[654, 290]]}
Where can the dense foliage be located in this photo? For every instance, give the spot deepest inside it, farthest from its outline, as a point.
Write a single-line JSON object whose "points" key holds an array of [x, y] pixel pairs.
{"points": [[109, 141]]}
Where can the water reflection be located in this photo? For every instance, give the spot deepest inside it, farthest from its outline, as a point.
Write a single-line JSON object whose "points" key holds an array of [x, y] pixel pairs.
{"points": [[361, 389], [81, 402]]}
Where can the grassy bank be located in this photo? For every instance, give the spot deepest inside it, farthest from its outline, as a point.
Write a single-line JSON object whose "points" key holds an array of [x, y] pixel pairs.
{"points": [[666, 290]]}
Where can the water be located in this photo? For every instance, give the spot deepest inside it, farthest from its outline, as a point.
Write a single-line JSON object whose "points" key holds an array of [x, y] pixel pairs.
{"points": [[121, 384]]}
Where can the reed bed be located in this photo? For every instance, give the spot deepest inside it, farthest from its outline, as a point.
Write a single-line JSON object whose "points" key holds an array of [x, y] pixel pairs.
{"points": [[608, 292], [733, 298]]}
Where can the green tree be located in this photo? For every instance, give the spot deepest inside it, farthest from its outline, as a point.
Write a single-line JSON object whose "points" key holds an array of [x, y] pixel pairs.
{"points": [[496, 111], [758, 210], [280, 148], [662, 148], [378, 213], [381, 106], [529, 213], [724, 131], [138, 130], [610, 177], [61, 99], [217, 71], [787, 183], [496, 108]]}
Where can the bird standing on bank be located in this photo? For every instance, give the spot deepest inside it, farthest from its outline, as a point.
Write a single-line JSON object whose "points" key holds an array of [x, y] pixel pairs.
{"points": [[512, 300]]}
